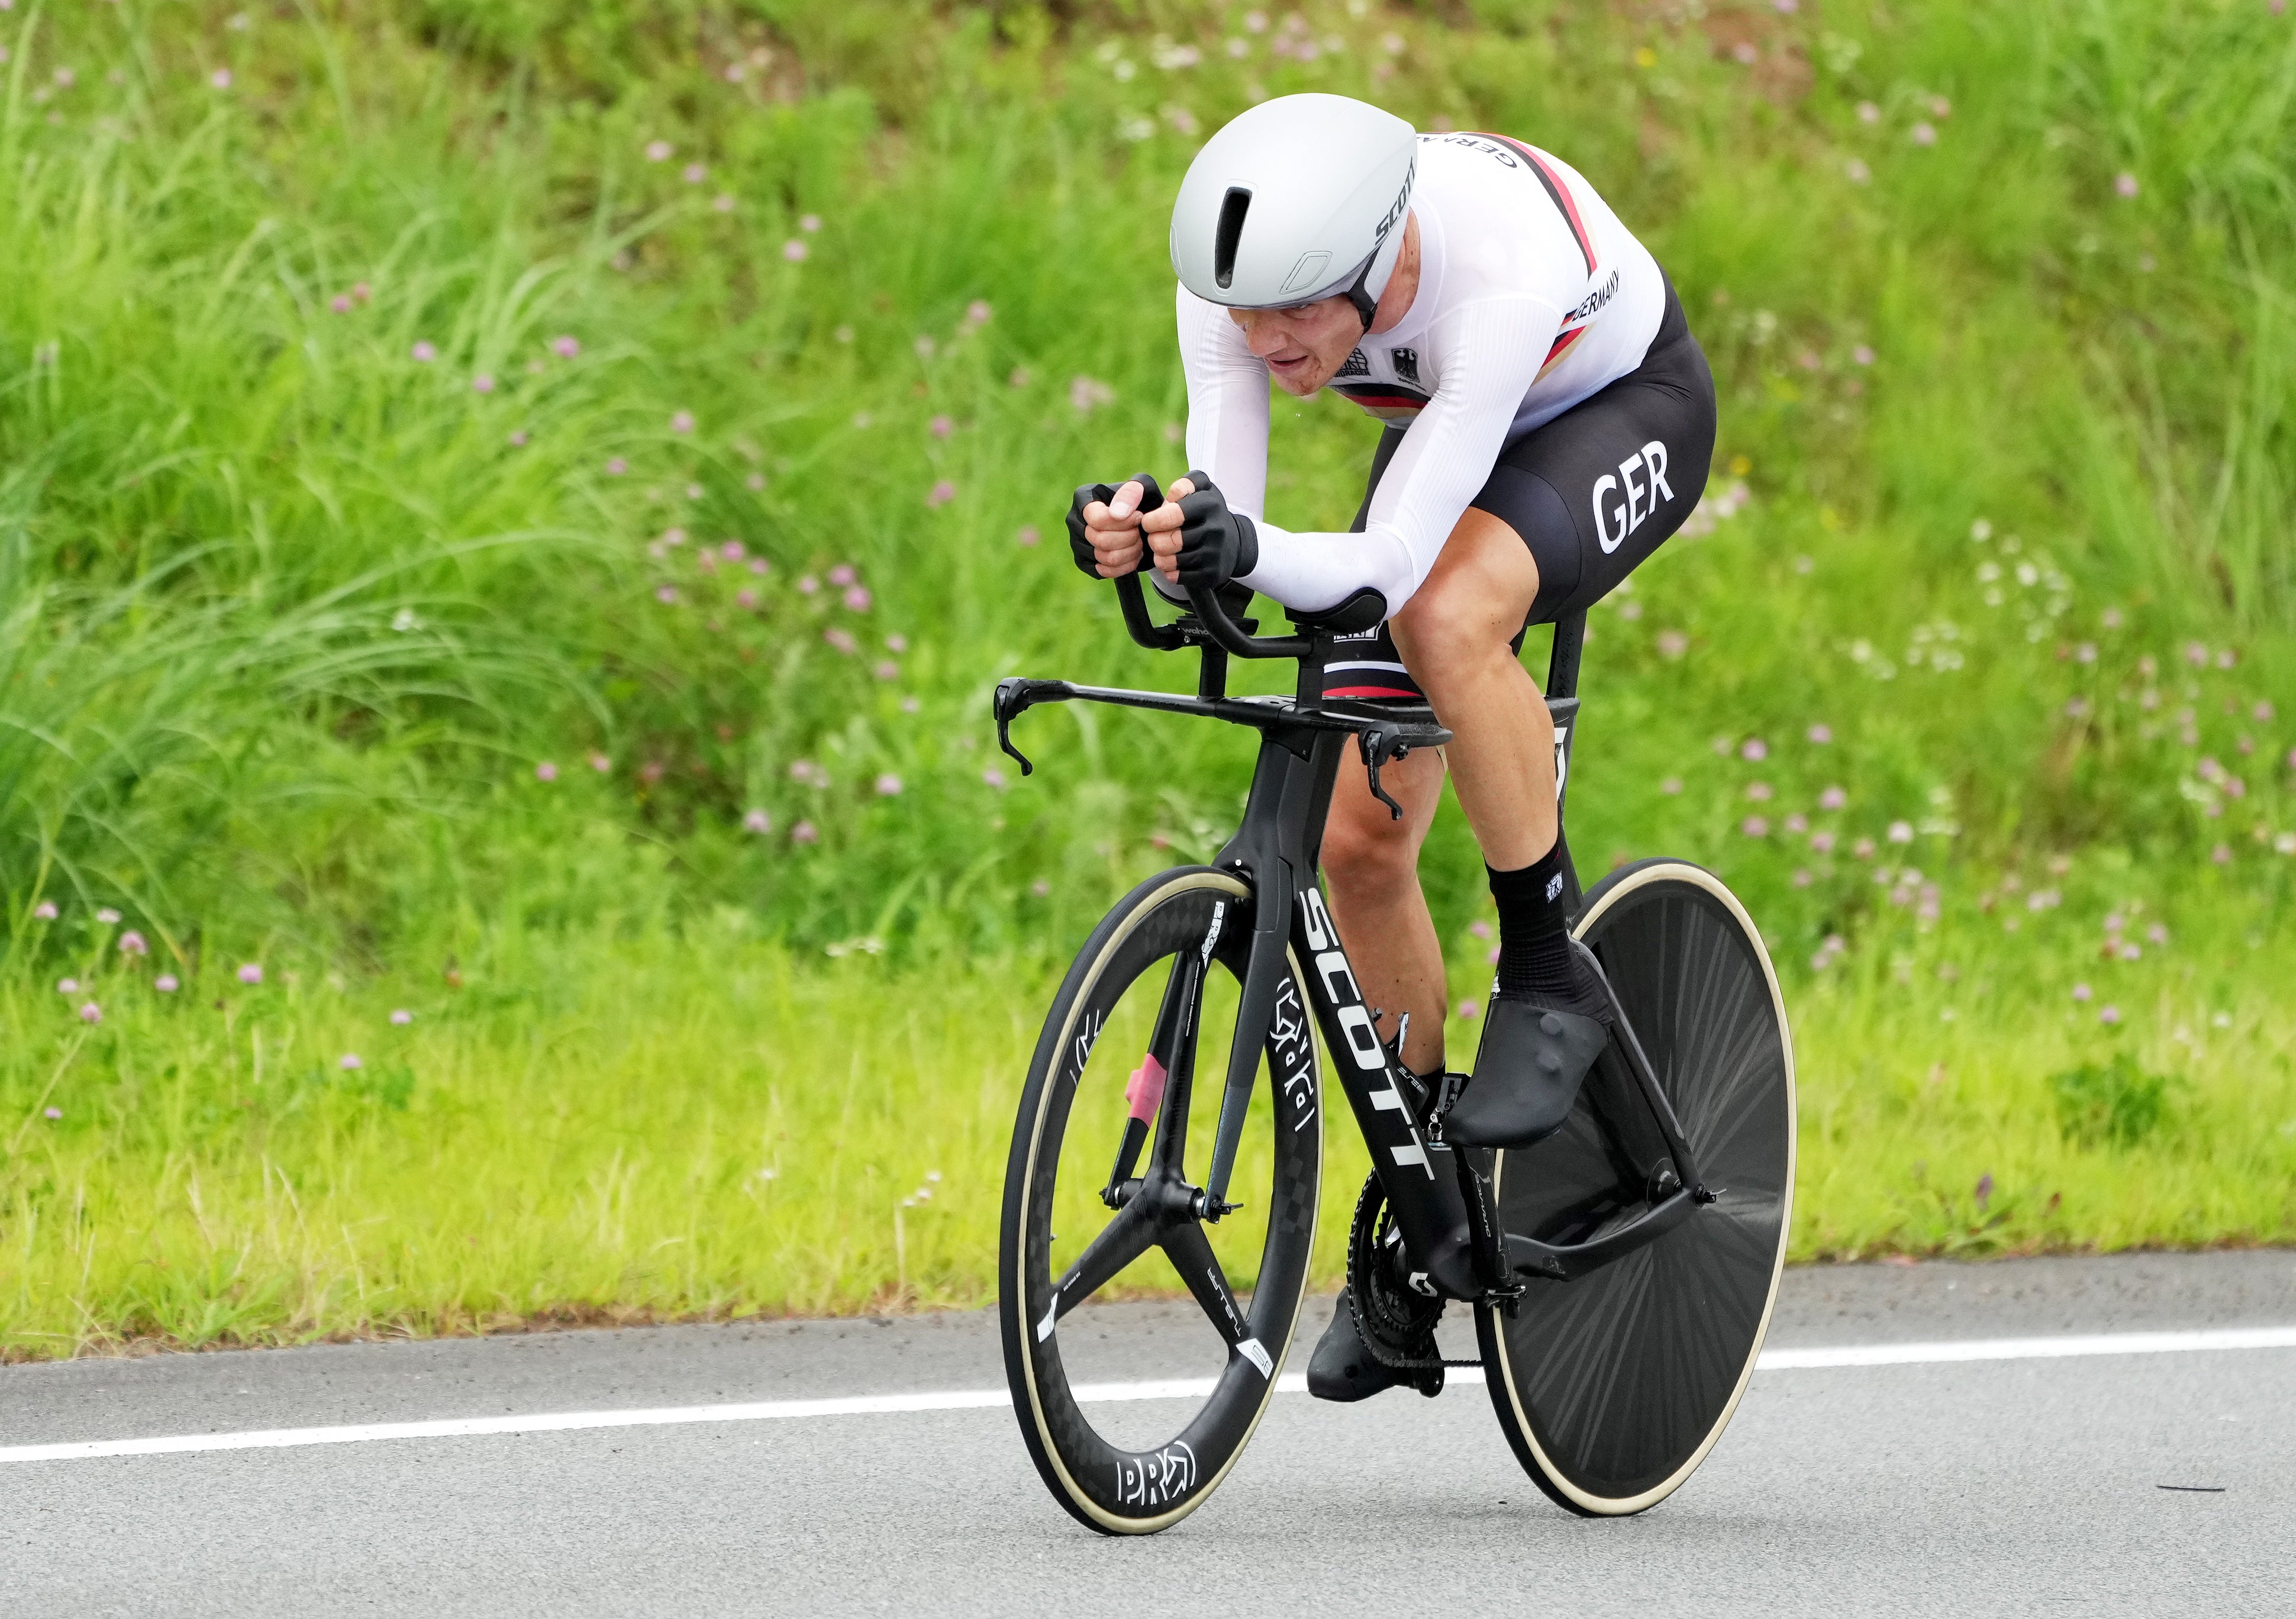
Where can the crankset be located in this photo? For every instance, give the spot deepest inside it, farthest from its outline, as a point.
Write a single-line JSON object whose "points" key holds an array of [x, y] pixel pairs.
{"points": [[1396, 1322]]}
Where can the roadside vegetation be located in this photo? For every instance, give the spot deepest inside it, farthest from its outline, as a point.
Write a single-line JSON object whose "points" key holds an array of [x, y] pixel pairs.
{"points": [[509, 514]]}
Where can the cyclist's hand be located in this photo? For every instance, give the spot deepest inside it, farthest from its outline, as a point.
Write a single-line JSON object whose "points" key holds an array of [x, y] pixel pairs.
{"points": [[1161, 528], [1216, 545], [1104, 525]]}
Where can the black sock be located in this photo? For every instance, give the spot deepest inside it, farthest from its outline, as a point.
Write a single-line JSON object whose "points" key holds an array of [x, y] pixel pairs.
{"points": [[1535, 961]]}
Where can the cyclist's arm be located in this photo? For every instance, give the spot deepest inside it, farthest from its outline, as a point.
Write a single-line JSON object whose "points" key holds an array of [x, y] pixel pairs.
{"points": [[1227, 411], [1491, 355], [1227, 404]]}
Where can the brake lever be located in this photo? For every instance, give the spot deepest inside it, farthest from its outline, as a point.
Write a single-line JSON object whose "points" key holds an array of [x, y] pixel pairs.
{"points": [[1376, 745], [1015, 696]]}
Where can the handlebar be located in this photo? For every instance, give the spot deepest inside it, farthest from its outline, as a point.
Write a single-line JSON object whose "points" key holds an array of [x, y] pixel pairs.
{"points": [[1232, 637], [1212, 618], [1214, 623], [1155, 637], [1211, 627]]}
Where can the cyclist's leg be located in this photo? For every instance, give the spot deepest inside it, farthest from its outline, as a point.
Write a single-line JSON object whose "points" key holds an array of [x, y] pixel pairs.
{"points": [[1588, 497], [1568, 510], [1370, 859], [1457, 636], [1370, 864], [1370, 867], [1595, 491]]}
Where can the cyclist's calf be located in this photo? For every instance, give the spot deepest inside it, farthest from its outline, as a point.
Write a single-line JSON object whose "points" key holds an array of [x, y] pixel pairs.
{"points": [[1370, 867]]}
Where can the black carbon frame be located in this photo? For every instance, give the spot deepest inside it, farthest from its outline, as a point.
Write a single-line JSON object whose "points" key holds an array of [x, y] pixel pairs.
{"points": [[1276, 851]]}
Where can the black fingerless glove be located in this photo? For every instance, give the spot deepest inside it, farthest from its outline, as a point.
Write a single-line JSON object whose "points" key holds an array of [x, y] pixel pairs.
{"points": [[1081, 537], [1216, 545]]}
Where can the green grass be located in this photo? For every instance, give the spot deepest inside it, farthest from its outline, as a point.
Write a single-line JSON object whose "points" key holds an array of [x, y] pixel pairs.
{"points": [[290, 621]]}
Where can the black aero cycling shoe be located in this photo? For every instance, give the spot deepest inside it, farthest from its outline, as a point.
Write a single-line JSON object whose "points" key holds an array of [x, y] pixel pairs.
{"points": [[1343, 1368], [1528, 1072]]}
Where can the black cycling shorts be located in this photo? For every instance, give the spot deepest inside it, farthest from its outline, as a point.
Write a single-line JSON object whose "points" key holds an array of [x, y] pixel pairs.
{"points": [[1593, 492]]}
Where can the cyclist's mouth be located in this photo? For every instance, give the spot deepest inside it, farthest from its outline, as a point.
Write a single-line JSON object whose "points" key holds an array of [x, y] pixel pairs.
{"points": [[1298, 365]]}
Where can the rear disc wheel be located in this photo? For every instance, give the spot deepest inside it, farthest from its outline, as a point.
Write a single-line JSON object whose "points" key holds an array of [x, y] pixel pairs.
{"points": [[1612, 1388]]}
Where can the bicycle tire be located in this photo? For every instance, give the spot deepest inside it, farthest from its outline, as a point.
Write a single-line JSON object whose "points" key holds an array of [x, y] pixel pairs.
{"points": [[1106, 1486], [1614, 1387]]}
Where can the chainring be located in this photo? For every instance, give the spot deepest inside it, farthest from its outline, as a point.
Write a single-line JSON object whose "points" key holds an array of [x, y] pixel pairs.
{"points": [[1397, 1325]]}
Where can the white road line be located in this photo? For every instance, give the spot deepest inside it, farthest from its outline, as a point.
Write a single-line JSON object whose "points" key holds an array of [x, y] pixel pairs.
{"points": [[1179, 1388], [2027, 1349]]}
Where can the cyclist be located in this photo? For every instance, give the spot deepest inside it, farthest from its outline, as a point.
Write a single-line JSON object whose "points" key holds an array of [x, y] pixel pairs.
{"points": [[1549, 421]]}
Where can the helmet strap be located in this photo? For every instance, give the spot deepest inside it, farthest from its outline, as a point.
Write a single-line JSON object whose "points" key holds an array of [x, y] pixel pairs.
{"points": [[1359, 294], [1367, 306]]}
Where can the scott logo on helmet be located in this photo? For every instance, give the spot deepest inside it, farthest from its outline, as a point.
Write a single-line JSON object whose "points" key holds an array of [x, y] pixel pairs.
{"points": [[1395, 209], [1622, 503]]}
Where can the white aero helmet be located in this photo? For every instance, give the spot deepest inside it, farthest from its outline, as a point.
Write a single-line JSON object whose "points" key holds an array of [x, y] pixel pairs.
{"points": [[1301, 198]]}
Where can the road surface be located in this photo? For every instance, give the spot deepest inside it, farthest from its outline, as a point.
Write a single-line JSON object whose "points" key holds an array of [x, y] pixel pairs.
{"points": [[873, 1466]]}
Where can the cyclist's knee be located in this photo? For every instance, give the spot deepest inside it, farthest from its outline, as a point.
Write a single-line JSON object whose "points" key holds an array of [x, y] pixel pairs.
{"points": [[1447, 630], [1367, 849]]}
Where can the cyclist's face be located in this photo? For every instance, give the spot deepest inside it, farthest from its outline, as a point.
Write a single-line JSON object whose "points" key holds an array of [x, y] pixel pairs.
{"points": [[1305, 345]]}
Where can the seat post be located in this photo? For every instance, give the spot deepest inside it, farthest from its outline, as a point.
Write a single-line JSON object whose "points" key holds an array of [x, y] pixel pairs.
{"points": [[1562, 661], [1562, 686]]}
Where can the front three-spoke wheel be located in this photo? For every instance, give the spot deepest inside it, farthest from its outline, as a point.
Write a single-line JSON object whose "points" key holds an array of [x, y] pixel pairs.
{"points": [[1106, 1195]]}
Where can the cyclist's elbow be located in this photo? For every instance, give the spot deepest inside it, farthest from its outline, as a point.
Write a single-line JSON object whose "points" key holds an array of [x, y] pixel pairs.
{"points": [[1399, 571]]}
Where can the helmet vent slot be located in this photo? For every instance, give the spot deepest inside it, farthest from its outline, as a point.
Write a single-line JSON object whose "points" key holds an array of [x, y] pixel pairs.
{"points": [[1233, 208]]}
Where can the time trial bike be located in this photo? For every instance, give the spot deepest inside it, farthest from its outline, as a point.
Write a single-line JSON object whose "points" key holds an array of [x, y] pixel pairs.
{"points": [[1621, 1270]]}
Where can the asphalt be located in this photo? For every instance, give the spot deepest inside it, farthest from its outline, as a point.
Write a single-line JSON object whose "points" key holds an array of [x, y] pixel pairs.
{"points": [[2008, 1486]]}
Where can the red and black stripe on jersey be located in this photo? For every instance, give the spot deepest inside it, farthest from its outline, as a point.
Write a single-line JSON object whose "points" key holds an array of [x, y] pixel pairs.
{"points": [[1389, 401], [1560, 195], [1395, 402], [1556, 190]]}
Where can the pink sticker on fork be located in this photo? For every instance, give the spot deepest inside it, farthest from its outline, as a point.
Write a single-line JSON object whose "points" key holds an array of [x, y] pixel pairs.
{"points": [[1146, 1090]]}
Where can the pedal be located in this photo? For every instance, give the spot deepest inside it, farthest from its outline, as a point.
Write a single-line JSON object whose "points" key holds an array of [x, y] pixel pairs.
{"points": [[1447, 1087]]}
